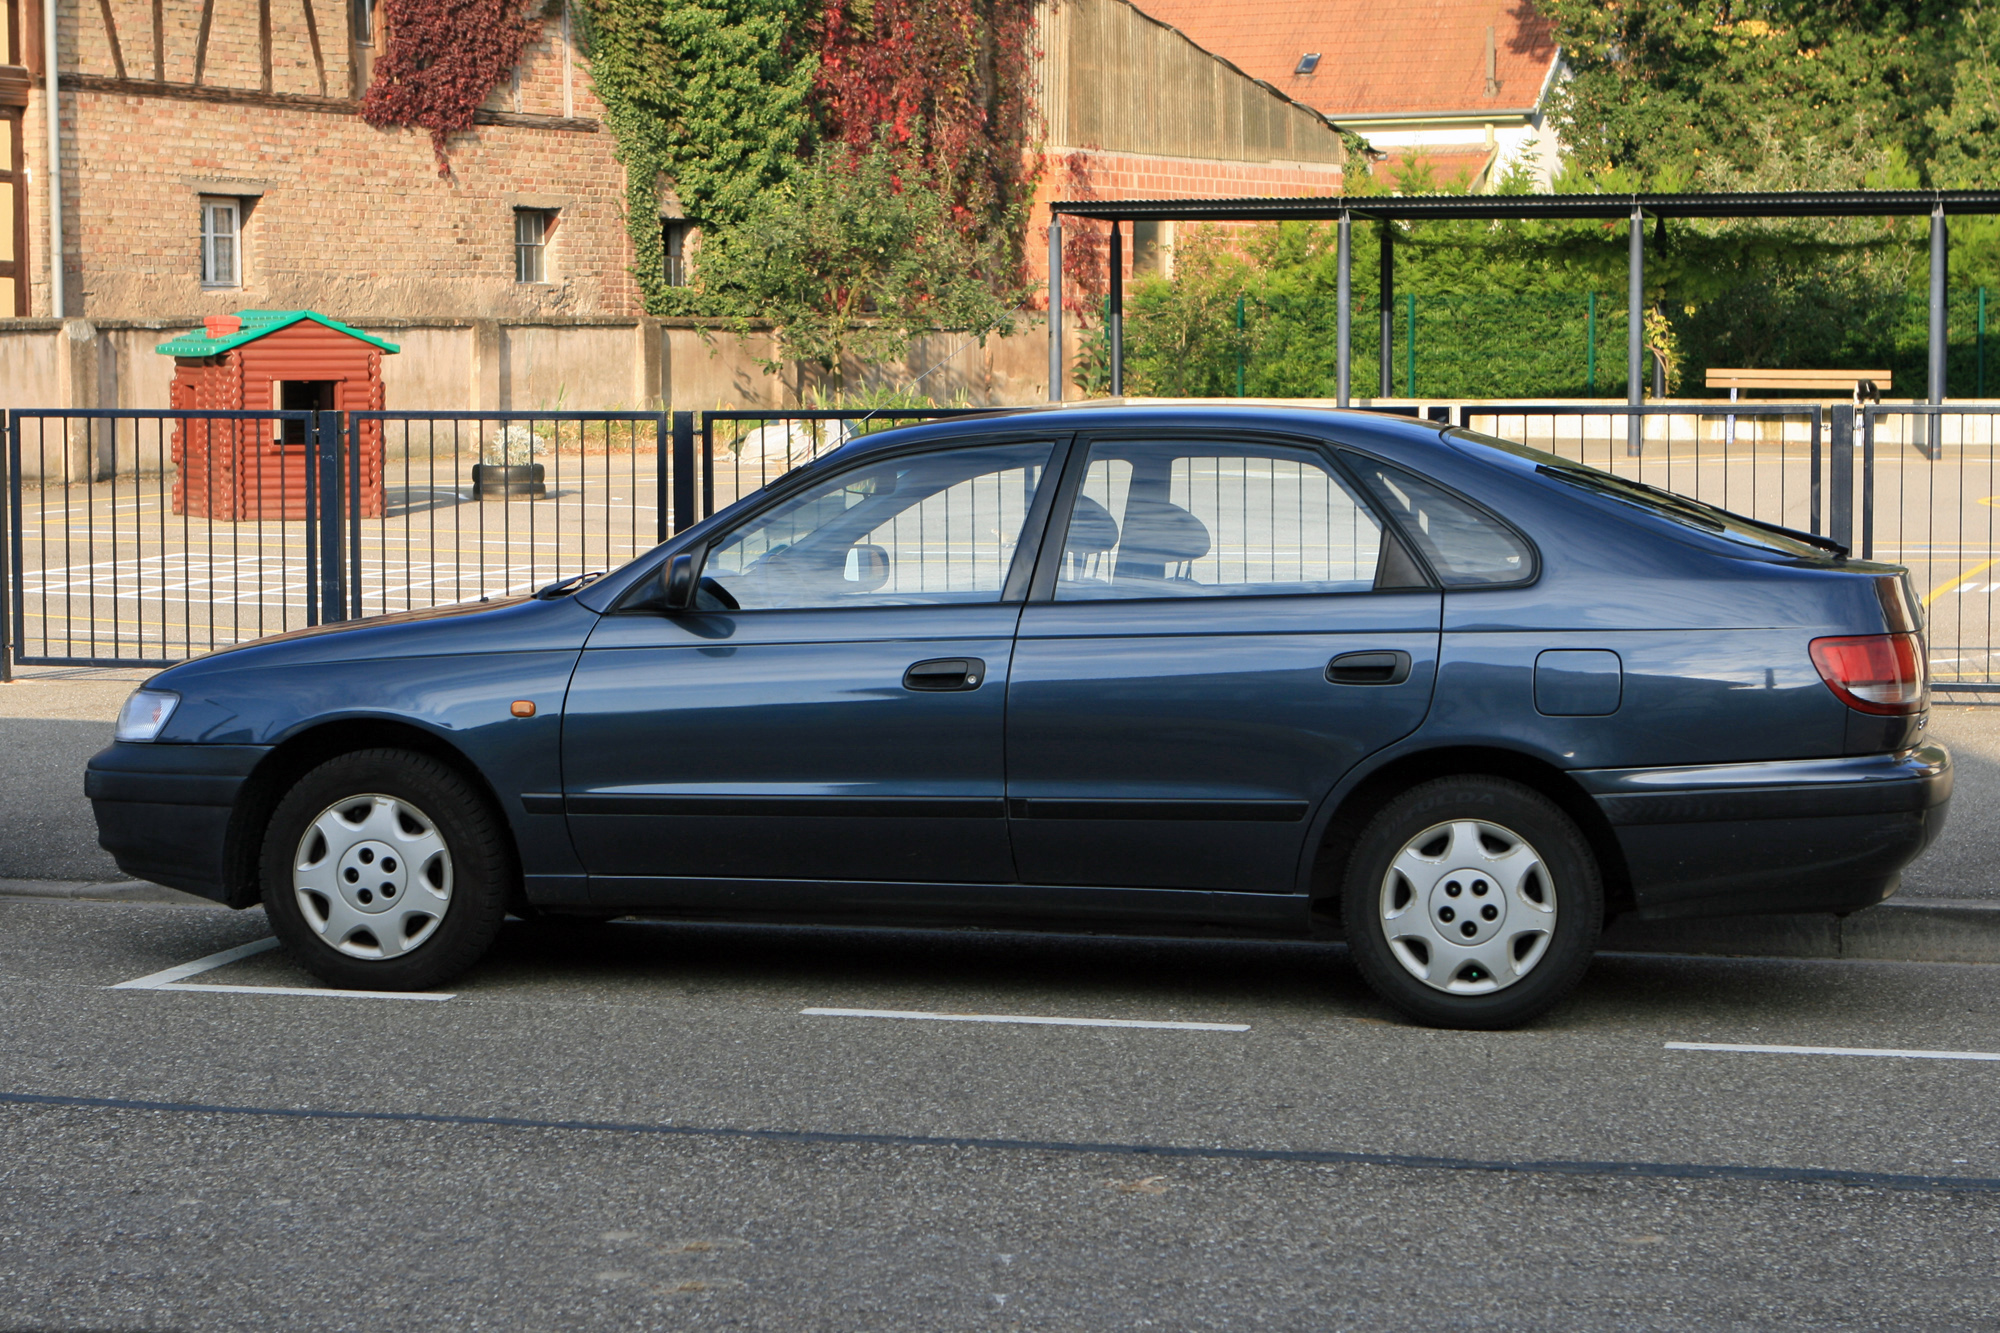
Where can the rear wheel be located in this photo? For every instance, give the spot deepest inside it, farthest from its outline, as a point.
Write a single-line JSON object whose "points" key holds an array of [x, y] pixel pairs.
{"points": [[1472, 902], [385, 870]]}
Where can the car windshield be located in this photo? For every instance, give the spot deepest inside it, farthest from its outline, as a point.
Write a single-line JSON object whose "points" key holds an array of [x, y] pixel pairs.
{"points": [[1667, 504]]}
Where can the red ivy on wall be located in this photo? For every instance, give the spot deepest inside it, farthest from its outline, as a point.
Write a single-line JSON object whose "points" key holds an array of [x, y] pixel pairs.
{"points": [[443, 58], [952, 81], [1086, 242]]}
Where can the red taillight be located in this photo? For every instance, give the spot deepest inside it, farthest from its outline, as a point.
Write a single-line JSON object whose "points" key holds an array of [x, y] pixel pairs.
{"points": [[1874, 673]]}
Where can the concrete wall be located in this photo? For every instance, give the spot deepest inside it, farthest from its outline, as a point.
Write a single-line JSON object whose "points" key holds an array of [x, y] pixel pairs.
{"points": [[490, 365]]}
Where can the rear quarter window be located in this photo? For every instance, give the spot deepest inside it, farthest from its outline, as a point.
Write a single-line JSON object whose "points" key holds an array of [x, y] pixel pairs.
{"points": [[1468, 547]]}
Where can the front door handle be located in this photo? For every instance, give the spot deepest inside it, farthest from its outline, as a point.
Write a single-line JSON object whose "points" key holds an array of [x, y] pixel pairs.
{"points": [[1369, 668], [945, 673]]}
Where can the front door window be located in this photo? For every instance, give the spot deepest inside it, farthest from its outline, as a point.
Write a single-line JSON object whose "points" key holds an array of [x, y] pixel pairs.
{"points": [[927, 530]]}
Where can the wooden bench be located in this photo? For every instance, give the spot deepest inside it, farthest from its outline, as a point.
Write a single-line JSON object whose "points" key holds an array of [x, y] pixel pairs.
{"points": [[1834, 381]]}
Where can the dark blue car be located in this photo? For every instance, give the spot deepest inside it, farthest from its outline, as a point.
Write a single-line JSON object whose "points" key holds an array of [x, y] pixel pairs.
{"points": [[1247, 671]]}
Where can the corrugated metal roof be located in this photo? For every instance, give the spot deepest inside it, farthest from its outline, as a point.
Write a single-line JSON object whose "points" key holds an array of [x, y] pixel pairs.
{"points": [[257, 324], [1793, 204]]}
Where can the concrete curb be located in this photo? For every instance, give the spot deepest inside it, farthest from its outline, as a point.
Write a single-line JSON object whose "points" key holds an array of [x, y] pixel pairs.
{"points": [[1907, 930], [114, 891], [1904, 930]]}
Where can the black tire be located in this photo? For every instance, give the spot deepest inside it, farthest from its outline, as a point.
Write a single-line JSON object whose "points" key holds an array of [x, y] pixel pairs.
{"points": [[477, 869], [1566, 888]]}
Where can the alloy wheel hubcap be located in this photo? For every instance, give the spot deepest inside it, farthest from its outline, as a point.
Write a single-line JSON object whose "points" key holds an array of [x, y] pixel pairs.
{"points": [[373, 876], [1468, 907]]}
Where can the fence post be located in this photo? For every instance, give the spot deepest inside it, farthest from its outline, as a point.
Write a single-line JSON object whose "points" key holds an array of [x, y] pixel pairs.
{"points": [[707, 464], [1818, 469], [355, 479], [1867, 483], [683, 472], [1410, 331], [325, 453], [10, 428], [1840, 467], [1590, 352]]}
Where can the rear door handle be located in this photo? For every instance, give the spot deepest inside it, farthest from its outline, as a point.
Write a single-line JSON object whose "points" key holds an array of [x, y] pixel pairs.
{"points": [[945, 673], [1378, 667]]}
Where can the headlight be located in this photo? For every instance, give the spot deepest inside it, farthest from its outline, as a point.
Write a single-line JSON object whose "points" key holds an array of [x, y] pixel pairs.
{"points": [[145, 714]]}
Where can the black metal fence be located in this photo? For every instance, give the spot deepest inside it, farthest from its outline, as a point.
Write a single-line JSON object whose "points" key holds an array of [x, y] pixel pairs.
{"points": [[143, 538]]}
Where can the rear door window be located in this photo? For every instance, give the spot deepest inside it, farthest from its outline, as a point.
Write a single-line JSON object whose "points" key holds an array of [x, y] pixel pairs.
{"points": [[1214, 520]]}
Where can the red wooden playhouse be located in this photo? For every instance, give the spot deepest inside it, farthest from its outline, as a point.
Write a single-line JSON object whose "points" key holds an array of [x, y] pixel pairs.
{"points": [[267, 360]]}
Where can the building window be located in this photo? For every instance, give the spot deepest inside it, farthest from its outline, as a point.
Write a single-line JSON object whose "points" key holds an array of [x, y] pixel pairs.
{"points": [[363, 14], [674, 236], [221, 243], [531, 244]]}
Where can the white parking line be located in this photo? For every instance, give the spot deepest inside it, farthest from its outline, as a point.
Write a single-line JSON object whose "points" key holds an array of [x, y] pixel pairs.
{"points": [[1831, 1050], [155, 980], [173, 979], [1033, 1019]]}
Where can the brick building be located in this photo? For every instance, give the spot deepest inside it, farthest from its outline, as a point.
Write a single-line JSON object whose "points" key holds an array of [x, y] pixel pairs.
{"points": [[213, 158]]}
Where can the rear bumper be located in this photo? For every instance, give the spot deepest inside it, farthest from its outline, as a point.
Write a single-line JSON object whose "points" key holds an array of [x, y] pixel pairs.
{"points": [[163, 811], [1809, 835]]}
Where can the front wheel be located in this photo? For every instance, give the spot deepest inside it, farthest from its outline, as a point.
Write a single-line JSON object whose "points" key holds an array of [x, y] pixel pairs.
{"points": [[385, 870], [1472, 902]]}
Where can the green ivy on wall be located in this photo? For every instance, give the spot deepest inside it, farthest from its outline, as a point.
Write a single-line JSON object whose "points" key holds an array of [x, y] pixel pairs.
{"points": [[709, 95]]}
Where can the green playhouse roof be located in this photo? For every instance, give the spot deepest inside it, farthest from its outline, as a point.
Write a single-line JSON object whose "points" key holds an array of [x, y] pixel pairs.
{"points": [[257, 323]]}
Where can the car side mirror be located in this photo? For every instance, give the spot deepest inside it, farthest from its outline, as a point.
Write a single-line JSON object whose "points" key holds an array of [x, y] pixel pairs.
{"points": [[677, 584]]}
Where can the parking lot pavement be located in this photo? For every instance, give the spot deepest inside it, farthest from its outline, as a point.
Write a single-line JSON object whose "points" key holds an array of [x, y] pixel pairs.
{"points": [[1965, 862], [51, 722], [638, 1126]]}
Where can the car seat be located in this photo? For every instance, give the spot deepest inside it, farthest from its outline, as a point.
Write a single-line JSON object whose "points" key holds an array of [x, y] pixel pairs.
{"points": [[1161, 541]]}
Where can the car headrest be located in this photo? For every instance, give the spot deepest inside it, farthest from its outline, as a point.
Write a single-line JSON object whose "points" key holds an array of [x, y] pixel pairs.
{"points": [[1158, 531], [1092, 530]]}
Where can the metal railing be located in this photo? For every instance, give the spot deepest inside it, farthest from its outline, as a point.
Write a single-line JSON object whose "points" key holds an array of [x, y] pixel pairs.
{"points": [[142, 538]]}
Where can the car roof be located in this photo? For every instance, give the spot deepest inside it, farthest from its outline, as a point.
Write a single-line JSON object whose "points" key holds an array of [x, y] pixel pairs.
{"points": [[1347, 424]]}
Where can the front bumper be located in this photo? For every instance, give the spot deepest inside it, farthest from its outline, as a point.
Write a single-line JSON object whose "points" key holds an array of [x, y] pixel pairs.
{"points": [[1805, 835], [163, 811]]}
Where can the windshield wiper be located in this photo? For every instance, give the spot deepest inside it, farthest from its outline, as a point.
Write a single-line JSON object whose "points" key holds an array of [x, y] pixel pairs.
{"points": [[564, 587]]}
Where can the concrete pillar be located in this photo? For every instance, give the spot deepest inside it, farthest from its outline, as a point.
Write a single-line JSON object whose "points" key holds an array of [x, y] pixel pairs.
{"points": [[91, 445], [483, 392], [649, 385]]}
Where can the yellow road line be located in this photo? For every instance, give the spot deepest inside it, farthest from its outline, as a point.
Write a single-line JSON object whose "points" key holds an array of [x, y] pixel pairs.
{"points": [[1976, 569]]}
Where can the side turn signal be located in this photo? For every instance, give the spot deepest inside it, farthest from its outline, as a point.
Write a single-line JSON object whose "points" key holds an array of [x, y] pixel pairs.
{"points": [[522, 708]]}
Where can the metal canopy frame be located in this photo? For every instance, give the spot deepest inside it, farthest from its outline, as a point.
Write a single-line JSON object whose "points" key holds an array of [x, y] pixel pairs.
{"points": [[1388, 209]]}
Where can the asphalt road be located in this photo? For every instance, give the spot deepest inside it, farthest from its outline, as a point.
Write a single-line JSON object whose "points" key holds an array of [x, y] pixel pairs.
{"points": [[650, 1134]]}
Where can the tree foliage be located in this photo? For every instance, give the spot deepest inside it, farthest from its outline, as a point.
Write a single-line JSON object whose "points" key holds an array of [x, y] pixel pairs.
{"points": [[1665, 89], [853, 257]]}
